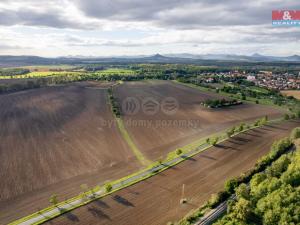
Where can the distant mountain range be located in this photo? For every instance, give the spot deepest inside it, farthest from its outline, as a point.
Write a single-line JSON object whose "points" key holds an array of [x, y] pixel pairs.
{"points": [[208, 59], [253, 58]]}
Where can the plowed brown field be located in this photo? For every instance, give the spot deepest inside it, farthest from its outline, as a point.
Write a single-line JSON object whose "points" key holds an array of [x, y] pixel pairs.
{"points": [[155, 201], [162, 133], [52, 140]]}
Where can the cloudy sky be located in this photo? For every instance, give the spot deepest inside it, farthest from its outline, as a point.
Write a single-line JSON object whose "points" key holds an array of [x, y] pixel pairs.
{"points": [[143, 27]]}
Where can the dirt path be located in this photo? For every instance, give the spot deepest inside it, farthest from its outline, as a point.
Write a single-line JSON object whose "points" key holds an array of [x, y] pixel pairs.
{"points": [[156, 200]]}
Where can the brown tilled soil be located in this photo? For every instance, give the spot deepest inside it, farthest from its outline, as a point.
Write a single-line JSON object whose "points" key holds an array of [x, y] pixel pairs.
{"points": [[54, 139], [156, 135], [15, 81], [156, 200]]}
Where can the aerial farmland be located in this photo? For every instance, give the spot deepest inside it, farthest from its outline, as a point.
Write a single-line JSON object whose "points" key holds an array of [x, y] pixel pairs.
{"points": [[158, 112], [58, 139]]}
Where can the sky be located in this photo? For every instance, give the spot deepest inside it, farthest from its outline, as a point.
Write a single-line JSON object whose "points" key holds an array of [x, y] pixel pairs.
{"points": [[53, 28]]}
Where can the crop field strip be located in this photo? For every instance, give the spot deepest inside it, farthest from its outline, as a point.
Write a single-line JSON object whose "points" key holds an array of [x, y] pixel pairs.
{"points": [[139, 155], [112, 100], [39, 74]]}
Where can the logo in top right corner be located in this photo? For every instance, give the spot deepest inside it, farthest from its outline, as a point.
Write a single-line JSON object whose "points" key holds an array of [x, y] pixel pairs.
{"points": [[286, 17]]}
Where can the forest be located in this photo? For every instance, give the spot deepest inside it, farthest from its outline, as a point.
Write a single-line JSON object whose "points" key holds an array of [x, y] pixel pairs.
{"points": [[272, 196]]}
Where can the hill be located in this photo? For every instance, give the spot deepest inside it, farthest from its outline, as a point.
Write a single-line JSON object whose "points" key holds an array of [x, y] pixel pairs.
{"points": [[208, 59]]}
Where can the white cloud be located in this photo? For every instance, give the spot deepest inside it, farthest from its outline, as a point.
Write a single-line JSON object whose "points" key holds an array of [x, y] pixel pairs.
{"points": [[117, 27]]}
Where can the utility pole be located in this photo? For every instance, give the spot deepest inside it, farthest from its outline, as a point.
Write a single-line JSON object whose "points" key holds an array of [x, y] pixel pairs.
{"points": [[183, 200]]}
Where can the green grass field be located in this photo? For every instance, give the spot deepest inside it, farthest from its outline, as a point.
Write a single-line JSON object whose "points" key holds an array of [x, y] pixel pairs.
{"points": [[116, 71], [49, 67], [263, 101], [139, 155], [40, 74], [258, 89]]}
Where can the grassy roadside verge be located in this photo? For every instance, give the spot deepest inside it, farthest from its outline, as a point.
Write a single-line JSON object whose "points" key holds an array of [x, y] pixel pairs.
{"points": [[116, 111], [153, 169], [138, 154]]}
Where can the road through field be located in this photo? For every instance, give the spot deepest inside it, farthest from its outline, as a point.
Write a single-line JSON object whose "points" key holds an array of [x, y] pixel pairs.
{"points": [[156, 200]]}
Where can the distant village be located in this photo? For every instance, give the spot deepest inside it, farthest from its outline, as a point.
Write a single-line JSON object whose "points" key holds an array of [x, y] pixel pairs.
{"points": [[265, 79], [275, 81]]}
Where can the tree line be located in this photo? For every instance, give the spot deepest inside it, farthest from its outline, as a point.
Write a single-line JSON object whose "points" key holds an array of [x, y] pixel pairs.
{"points": [[273, 195], [13, 71], [219, 103], [114, 103]]}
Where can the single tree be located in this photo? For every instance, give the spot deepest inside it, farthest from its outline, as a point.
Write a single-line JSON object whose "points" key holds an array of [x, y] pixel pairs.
{"points": [[295, 133], [230, 132], [241, 127], [242, 210], [53, 199], [242, 191], [207, 140], [160, 160], [84, 189], [178, 151], [264, 120], [286, 117], [108, 187], [214, 141], [230, 185]]}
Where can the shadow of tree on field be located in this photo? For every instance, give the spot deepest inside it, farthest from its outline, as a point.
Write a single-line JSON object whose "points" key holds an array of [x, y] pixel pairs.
{"points": [[240, 139], [257, 130], [72, 217], [235, 142], [98, 213], [188, 158], [101, 204], [161, 174], [250, 134], [132, 192], [275, 127], [173, 168], [207, 157], [122, 201], [265, 128], [226, 147]]}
